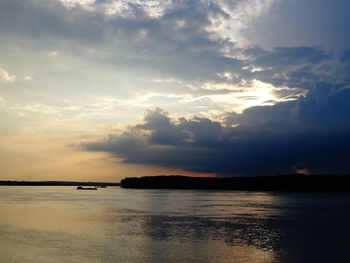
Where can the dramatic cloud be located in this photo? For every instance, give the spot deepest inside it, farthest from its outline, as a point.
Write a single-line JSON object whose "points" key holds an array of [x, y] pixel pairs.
{"points": [[310, 134], [265, 81]]}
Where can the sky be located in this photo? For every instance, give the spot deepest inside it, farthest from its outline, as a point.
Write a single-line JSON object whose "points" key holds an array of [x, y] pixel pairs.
{"points": [[102, 90]]}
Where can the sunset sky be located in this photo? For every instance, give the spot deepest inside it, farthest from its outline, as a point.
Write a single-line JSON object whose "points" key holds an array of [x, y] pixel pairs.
{"points": [[102, 90]]}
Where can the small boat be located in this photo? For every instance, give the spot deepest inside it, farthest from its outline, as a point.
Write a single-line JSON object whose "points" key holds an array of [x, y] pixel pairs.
{"points": [[86, 188]]}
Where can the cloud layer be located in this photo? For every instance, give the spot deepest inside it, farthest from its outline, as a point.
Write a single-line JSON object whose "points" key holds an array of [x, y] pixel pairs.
{"points": [[268, 92]]}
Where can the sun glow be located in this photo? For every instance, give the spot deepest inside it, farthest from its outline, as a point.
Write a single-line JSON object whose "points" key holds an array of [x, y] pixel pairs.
{"points": [[250, 94]]}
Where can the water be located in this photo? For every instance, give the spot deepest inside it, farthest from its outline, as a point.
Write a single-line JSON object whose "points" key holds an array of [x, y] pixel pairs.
{"points": [[61, 224]]}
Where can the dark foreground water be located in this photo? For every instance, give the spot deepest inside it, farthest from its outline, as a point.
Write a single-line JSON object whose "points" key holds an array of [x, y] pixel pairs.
{"points": [[61, 224]]}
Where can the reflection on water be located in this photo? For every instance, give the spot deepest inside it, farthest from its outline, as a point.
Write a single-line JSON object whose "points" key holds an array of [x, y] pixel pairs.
{"points": [[60, 224]]}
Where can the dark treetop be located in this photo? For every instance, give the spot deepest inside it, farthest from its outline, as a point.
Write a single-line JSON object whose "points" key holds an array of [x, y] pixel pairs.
{"points": [[295, 182]]}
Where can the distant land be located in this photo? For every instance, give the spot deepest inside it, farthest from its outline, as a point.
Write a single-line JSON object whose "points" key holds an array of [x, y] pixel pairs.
{"points": [[57, 183], [292, 182]]}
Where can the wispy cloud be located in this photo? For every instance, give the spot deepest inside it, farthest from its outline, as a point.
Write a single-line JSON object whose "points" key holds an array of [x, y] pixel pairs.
{"points": [[53, 53], [6, 77]]}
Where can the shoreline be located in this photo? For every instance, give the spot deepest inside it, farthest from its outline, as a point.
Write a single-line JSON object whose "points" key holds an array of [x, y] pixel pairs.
{"points": [[56, 183], [287, 183]]}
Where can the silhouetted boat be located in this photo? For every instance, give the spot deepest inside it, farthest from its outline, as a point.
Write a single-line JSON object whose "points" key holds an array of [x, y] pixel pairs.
{"points": [[86, 188]]}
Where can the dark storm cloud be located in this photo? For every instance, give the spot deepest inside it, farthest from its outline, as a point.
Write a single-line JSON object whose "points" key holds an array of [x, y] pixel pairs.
{"points": [[311, 133]]}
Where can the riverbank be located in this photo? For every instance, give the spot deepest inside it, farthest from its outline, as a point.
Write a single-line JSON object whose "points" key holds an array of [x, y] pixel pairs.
{"points": [[294, 182]]}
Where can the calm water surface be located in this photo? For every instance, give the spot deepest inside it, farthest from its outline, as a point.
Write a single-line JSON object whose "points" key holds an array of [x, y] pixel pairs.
{"points": [[61, 224]]}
